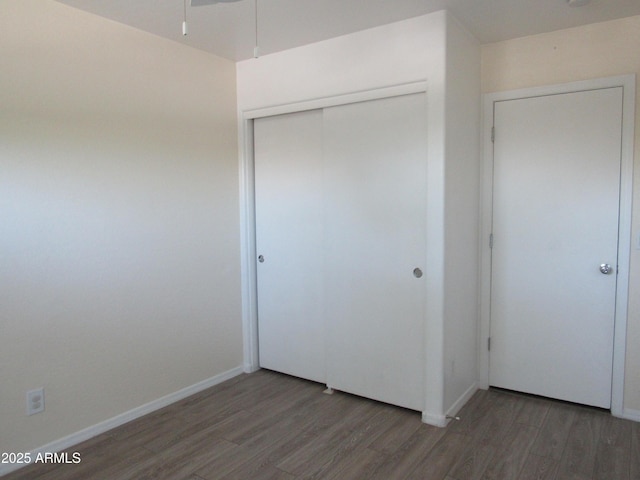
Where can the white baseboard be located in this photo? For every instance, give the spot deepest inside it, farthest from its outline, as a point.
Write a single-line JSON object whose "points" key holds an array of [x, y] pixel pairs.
{"points": [[434, 419], [631, 414], [102, 427], [249, 368], [439, 420], [462, 400]]}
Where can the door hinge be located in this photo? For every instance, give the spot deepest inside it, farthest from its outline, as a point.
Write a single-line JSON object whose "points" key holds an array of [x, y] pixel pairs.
{"points": [[491, 240], [493, 134], [489, 343]]}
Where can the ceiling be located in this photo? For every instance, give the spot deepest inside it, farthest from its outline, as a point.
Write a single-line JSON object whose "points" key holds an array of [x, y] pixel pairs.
{"points": [[228, 29]]}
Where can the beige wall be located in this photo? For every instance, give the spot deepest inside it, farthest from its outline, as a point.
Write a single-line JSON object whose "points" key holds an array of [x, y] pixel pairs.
{"points": [[119, 239], [599, 50]]}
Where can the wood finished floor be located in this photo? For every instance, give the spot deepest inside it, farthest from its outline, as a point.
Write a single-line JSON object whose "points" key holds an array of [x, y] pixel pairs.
{"points": [[271, 426]]}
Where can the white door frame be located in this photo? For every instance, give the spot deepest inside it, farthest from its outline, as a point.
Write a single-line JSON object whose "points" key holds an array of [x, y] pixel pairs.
{"points": [[628, 83]]}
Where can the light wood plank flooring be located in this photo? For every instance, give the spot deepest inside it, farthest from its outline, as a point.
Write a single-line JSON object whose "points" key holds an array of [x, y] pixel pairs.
{"points": [[271, 426]]}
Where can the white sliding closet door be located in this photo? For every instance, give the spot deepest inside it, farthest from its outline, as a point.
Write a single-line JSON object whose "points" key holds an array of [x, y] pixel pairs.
{"points": [[375, 161], [289, 232]]}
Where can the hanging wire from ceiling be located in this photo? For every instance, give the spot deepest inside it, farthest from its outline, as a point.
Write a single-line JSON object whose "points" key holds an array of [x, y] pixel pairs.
{"points": [[256, 48], [184, 22]]}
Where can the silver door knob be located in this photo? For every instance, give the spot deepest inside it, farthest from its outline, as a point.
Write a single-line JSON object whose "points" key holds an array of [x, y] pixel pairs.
{"points": [[417, 272], [606, 268]]}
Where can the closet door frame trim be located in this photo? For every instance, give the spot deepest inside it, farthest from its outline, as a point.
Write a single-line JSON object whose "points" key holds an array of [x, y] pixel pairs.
{"points": [[248, 253]]}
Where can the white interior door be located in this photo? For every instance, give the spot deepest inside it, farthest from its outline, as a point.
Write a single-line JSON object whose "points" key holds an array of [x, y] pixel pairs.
{"points": [[289, 233], [375, 181], [555, 221]]}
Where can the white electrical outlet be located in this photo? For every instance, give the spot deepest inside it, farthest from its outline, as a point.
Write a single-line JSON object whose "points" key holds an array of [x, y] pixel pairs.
{"points": [[35, 401]]}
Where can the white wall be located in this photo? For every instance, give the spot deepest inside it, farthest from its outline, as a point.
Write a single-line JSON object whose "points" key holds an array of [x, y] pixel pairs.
{"points": [[119, 240], [400, 53], [393, 54], [462, 162], [593, 51]]}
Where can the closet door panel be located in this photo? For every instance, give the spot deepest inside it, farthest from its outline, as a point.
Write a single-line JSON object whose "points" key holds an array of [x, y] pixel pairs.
{"points": [[375, 159], [289, 232]]}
